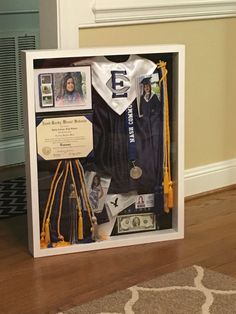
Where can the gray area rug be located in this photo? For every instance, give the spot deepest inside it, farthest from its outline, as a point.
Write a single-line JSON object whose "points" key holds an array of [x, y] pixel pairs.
{"points": [[193, 290]]}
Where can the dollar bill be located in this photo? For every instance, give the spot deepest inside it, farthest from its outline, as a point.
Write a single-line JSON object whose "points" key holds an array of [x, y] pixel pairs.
{"points": [[136, 223]]}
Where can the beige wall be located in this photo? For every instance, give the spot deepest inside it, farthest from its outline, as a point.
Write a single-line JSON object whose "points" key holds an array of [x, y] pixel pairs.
{"points": [[210, 107]]}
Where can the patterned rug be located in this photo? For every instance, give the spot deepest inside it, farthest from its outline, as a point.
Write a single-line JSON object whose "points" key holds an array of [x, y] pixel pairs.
{"points": [[193, 290], [12, 197]]}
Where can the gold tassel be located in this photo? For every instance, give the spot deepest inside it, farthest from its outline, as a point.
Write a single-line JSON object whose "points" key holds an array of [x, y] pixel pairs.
{"points": [[61, 242], [168, 186], [170, 197], [43, 243], [47, 231], [166, 181], [80, 229]]}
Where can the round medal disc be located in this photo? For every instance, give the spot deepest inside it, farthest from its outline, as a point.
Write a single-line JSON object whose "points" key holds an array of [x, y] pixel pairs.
{"points": [[136, 172]]}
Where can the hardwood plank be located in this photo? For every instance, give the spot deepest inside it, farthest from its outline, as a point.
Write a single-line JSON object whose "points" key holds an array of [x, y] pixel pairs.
{"points": [[51, 284]]}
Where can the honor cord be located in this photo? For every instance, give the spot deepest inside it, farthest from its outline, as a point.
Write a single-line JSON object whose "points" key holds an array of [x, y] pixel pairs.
{"points": [[60, 236], [80, 222], [168, 184], [46, 217]]}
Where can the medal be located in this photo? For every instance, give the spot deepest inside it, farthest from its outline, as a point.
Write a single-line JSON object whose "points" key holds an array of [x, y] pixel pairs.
{"points": [[135, 172]]}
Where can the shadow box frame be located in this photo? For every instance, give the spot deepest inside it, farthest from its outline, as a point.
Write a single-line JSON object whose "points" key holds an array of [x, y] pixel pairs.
{"points": [[30, 58]]}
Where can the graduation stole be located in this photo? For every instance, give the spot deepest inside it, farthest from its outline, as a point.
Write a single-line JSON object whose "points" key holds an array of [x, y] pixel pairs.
{"points": [[167, 182], [64, 171]]}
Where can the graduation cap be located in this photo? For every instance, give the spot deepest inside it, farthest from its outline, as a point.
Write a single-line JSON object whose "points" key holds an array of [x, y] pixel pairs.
{"points": [[146, 80]]}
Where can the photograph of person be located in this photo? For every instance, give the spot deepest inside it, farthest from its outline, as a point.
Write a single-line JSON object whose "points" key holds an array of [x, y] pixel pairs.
{"points": [[70, 89], [150, 95], [96, 192]]}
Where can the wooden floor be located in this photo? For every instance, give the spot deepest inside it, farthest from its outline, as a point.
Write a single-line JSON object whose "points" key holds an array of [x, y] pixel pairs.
{"points": [[53, 284]]}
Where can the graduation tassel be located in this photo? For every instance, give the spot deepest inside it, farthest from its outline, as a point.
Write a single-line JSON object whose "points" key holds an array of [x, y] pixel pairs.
{"points": [[170, 196], [47, 223], [80, 226], [84, 190], [61, 241], [95, 235], [168, 184], [47, 231], [45, 239], [166, 181], [80, 217]]}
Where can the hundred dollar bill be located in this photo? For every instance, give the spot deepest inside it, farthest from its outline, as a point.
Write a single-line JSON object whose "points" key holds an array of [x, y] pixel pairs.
{"points": [[136, 223]]}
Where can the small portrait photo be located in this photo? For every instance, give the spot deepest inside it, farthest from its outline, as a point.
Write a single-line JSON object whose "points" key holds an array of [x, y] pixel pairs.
{"points": [[47, 101], [46, 89], [96, 192], [140, 203], [70, 89], [46, 79], [148, 94], [97, 187]]}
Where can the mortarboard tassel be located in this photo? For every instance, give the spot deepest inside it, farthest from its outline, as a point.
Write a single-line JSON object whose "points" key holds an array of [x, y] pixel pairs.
{"points": [[167, 181], [80, 217], [170, 196], [47, 231], [80, 228], [45, 234], [43, 244]]}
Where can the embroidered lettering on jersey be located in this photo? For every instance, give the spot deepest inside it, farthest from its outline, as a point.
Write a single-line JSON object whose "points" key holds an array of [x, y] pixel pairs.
{"points": [[118, 84]]}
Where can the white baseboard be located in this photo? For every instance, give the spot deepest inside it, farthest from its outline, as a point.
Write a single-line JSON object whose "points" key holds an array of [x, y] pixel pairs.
{"points": [[209, 177], [12, 152]]}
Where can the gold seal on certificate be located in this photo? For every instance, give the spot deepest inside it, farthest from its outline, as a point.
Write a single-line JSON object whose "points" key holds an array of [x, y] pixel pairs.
{"points": [[64, 137]]}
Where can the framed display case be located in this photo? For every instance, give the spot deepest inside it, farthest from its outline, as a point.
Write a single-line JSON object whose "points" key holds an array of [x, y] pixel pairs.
{"points": [[104, 139]]}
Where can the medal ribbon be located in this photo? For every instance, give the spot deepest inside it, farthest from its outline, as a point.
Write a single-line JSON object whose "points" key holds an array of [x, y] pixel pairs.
{"points": [[129, 121]]}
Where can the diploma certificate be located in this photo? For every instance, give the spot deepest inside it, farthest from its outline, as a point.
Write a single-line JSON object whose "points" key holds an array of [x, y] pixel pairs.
{"points": [[64, 138]]}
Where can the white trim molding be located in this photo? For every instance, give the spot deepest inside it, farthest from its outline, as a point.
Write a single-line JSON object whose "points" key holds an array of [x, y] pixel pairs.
{"points": [[106, 11], [209, 177], [60, 20]]}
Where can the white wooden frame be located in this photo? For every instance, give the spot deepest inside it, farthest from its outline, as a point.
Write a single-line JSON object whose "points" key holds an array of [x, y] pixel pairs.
{"points": [[61, 20], [177, 232]]}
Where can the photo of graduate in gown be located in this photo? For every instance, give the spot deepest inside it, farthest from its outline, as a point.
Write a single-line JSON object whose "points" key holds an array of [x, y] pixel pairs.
{"points": [[96, 192], [149, 100]]}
